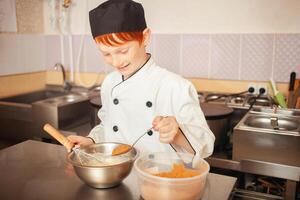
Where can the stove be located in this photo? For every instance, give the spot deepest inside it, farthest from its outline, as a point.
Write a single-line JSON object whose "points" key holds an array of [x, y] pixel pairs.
{"points": [[236, 101], [222, 157], [242, 101], [216, 98], [240, 104], [265, 101]]}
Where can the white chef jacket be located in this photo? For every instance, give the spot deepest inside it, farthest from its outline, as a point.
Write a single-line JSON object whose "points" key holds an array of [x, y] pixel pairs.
{"points": [[129, 107]]}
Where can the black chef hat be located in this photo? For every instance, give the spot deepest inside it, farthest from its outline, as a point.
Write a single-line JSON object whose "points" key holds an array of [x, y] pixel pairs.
{"points": [[116, 16]]}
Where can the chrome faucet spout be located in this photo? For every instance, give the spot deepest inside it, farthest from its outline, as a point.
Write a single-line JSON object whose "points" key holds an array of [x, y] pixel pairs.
{"points": [[275, 109], [274, 123], [67, 86], [59, 65]]}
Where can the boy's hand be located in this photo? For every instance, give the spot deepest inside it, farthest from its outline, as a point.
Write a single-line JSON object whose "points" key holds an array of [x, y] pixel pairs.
{"points": [[167, 127], [80, 141]]}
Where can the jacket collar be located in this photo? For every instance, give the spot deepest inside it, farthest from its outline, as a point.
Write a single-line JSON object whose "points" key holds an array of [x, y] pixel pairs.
{"points": [[142, 71]]}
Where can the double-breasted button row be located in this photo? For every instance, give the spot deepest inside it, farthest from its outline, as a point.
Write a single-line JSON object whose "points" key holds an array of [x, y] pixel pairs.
{"points": [[148, 103], [115, 129]]}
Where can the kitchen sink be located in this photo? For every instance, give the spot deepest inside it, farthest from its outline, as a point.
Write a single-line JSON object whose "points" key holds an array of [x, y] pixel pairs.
{"points": [[31, 97], [268, 137], [62, 100], [266, 122], [23, 116], [277, 111]]}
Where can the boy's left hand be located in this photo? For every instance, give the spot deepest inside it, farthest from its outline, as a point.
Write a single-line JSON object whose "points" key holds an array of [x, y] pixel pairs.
{"points": [[167, 127]]}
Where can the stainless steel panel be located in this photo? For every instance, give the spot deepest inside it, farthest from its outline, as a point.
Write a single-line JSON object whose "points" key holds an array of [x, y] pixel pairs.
{"points": [[271, 169], [263, 146], [22, 116], [251, 195], [62, 115]]}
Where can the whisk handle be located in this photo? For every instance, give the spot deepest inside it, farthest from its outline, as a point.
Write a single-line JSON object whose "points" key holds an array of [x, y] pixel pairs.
{"points": [[58, 136]]}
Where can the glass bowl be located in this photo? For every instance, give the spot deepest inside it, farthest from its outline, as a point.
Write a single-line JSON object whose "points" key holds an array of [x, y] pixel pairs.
{"points": [[153, 187]]}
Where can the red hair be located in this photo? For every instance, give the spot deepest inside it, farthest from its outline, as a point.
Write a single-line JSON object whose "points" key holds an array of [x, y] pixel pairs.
{"points": [[122, 38]]}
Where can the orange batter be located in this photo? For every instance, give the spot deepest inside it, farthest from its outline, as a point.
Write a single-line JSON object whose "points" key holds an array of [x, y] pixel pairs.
{"points": [[178, 171], [120, 149]]}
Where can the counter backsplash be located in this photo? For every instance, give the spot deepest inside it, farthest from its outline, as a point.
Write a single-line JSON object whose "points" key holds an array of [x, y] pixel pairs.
{"points": [[213, 56]]}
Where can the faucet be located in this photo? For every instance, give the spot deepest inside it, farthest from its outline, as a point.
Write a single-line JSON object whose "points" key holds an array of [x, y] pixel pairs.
{"points": [[274, 123], [66, 85], [275, 107]]}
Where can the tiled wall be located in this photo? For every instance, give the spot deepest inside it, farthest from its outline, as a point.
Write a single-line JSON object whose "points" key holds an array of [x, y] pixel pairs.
{"points": [[212, 56], [22, 54]]}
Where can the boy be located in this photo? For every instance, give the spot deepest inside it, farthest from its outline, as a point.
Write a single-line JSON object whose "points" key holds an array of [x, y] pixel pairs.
{"points": [[139, 94]]}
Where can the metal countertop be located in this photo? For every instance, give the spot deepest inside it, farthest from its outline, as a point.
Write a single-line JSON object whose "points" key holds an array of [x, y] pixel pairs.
{"points": [[37, 170]]}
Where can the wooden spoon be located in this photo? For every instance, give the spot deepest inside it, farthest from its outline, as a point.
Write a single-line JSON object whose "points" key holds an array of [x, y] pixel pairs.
{"points": [[58, 136]]}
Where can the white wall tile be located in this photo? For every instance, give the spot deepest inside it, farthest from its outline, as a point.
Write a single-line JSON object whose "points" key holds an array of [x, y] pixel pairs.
{"points": [[256, 56], [287, 56], [11, 56], [94, 58], [56, 43], [5, 44], [22, 54], [34, 52], [167, 52], [225, 56], [52, 51], [252, 59], [66, 46], [150, 46], [194, 52]]}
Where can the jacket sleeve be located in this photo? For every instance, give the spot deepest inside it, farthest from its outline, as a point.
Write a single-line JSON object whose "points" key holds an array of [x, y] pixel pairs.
{"points": [[97, 133], [192, 121]]}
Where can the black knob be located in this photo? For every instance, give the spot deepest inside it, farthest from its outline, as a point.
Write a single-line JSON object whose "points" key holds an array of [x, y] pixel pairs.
{"points": [[262, 90], [251, 90]]}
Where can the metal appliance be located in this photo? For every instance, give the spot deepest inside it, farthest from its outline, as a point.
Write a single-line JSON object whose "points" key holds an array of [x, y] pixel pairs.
{"points": [[268, 136]]}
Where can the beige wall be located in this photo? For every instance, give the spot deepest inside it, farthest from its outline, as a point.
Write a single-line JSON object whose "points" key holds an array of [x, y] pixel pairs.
{"points": [[200, 84], [85, 79], [233, 86], [22, 83]]}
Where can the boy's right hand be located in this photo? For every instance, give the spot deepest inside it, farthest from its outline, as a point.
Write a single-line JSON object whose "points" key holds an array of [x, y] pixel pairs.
{"points": [[80, 141]]}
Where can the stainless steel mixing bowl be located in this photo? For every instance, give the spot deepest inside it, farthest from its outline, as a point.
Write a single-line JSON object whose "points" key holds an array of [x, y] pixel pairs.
{"points": [[106, 175]]}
